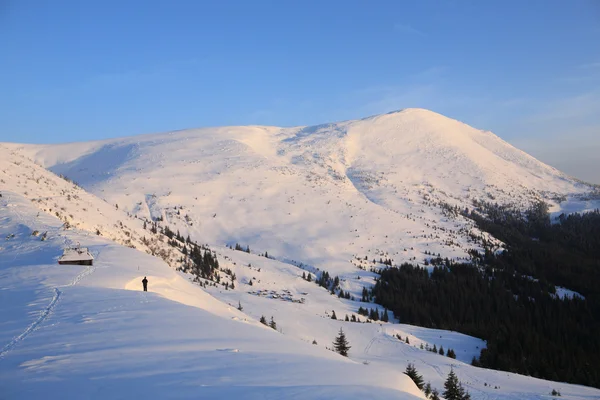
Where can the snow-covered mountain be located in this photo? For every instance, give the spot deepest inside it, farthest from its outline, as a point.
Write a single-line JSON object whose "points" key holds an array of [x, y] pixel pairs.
{"points": [[323, 196], [320, 195]]}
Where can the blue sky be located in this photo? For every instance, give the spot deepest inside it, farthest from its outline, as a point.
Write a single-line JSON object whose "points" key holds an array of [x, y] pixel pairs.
{"points": [[82, 70]]}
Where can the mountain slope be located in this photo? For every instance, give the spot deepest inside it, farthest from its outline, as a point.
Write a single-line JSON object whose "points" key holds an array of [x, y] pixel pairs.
{"points": [[320, 195], [89, 332], [77, 332]]}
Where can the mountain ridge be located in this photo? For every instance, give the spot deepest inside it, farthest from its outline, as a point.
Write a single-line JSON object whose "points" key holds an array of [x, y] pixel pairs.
{"points": [[314, 203], [383, 182]]}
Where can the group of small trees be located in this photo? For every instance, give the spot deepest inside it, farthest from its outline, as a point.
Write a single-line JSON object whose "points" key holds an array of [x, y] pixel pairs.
{"points": [[307, 277], [238, 247], [450, 353], [374, 314], [271, 324], [453, 389], [332, 284]]}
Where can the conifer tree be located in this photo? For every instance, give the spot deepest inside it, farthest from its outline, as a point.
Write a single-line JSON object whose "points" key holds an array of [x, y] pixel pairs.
{"points": [[263, 320], [272, 324], [442, 350], [454, 389], [341, 345], [333, 316], [427, 389], [411, 371], [365, 295], [451, 387], [240, 306], [385, 317], [407, 341]]}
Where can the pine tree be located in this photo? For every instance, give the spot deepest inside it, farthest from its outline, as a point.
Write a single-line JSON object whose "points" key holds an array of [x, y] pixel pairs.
{"points": [[333, 316], [309, 277], [263, 320], [451, 387], [464, 395], [435, 395], [454, 389], [340, 344], [407, 341], [272, 324], [427, 389], [442, 350], [411, 371], [434, 350], [451, 353], [240, 306], [385, 317], [304, 275], [365, 295], [347, 319]]}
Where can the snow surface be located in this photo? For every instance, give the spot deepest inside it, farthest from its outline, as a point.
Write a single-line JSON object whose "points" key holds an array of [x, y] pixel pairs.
{"points": [[575, 204], [88, 332], [321, 196], [565, 293]]}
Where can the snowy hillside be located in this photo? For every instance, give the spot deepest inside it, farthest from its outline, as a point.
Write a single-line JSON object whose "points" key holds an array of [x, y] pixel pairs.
{"points": [[75, 207], [322, 195], [89, 332]]}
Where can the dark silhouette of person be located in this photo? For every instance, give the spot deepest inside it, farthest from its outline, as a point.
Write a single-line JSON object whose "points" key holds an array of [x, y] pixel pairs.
{"points": [[145, 283]]}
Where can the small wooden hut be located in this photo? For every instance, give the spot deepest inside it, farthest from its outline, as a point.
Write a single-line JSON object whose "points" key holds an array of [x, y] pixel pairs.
{"points": [[76, 256]]}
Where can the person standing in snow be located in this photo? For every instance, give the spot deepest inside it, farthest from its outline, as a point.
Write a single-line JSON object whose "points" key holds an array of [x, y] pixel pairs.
{"points": [[145, 283]]}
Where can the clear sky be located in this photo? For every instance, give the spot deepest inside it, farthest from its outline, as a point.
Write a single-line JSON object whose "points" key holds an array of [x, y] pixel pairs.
{"points": [[80, 70]]}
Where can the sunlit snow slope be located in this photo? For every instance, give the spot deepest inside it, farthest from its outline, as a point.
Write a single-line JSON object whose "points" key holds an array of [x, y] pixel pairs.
{"points": [[71, 332], [319, 195], [74, 332]]}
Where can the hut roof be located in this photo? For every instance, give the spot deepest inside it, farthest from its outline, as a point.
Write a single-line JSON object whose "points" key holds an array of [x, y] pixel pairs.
{"points": [[76, 254]]}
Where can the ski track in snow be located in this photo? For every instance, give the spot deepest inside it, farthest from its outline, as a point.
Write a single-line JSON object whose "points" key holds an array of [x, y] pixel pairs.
{"points": [[33, 327], [45, 313]]}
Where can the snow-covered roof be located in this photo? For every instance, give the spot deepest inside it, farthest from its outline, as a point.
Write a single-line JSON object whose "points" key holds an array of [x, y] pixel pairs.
{"points": [[76, 254]]}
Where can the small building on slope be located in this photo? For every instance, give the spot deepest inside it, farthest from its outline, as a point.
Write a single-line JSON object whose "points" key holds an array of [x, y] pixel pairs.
{"points": [[76, 256]]}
